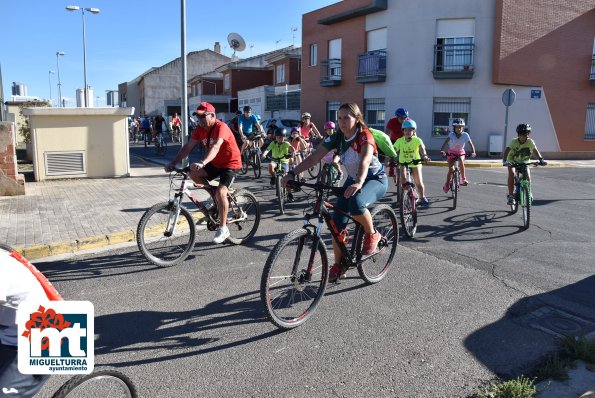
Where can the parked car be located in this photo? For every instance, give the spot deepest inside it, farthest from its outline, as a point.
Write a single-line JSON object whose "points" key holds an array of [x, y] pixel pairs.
{"points": [[281, 122]]}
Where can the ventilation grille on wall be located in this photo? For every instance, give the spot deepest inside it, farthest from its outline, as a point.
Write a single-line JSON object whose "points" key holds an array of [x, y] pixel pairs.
{"points": [[65, 163]]}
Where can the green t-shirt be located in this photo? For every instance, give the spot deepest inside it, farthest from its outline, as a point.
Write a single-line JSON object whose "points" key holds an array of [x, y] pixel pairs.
{"points": [[408, 150], [279, 150], [520, 153]]}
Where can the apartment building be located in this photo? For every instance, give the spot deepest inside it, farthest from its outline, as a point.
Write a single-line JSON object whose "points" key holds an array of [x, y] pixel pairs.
{"points": [[455, 58]]}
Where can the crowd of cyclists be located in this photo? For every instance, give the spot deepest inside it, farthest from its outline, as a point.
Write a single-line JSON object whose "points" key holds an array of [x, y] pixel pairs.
{"points": [[348, 141]]}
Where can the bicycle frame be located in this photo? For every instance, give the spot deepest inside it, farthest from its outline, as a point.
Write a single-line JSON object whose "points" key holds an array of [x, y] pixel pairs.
{"points": [[521, 180]]}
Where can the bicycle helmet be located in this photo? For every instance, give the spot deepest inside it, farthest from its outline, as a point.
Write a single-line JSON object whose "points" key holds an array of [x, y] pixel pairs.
{"points": [[306, 114], [402, 112], [523, 128], [409, 124], [329, 125], [295, 130], [238, 113], [247, 109], [281, 133], [458, 122]]}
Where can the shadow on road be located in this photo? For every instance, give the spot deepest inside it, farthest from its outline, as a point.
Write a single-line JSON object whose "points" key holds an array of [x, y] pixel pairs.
{"points": [[515, 343]]}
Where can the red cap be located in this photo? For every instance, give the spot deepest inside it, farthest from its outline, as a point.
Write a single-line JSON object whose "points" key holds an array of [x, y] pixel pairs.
{"points": [[205, 107]]}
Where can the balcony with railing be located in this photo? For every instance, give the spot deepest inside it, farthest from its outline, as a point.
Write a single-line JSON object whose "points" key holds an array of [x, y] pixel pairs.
{"points": [[453, 61], [330, 72], [592, 75], [371, 67]]}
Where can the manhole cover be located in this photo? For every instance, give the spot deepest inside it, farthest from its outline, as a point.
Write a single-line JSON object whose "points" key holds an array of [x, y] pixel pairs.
{"points": [[557, 322]]}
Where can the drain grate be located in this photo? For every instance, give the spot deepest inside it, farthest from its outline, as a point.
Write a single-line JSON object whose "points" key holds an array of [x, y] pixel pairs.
{"points": [[557, 322]]}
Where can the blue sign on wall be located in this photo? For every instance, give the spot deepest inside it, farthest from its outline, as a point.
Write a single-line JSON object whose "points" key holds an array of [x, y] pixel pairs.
{"points": [[536, 94]]}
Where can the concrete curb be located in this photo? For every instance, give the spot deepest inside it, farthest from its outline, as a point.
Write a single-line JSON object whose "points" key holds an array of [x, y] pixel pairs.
{"points": [[35, 252]]}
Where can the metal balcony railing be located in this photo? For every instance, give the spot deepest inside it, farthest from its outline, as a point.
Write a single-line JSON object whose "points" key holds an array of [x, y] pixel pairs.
{"points": [[330, 72], [592, 75], [453, 61], [371, 67]]}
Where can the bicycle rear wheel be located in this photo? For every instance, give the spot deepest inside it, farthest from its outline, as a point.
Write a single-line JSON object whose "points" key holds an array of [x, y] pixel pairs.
{"points": [[408, 212], [243, 217], [159, 240], [526, 206], [374, 268], [105, 383], [289, 293]]}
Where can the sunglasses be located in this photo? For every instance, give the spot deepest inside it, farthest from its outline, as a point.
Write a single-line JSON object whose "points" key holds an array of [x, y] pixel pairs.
{"points": [[204, 115]]}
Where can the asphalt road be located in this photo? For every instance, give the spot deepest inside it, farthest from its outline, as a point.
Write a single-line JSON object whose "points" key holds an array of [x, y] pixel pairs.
{"points": [[473, 296]]}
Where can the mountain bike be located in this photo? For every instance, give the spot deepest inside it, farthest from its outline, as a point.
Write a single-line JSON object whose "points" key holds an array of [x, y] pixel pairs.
{"points": [[167, 231], [409, 195], [296, 272], [330, 175], [251, 157], [523, 196], [455, 181], [160, 144], [102, 382]]}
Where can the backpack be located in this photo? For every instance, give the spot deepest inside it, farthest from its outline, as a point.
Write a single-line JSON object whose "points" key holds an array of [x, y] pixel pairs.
{"points": [[385, 147]]}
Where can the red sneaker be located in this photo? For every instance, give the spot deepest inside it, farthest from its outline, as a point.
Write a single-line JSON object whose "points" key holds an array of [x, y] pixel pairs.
{"points": [[371, 243], [335, 273]]}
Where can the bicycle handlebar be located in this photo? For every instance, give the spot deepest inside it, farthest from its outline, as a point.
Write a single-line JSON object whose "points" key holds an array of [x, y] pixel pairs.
{"points": [[337, 191], [521, 164], [455, 155], [413, 161]]}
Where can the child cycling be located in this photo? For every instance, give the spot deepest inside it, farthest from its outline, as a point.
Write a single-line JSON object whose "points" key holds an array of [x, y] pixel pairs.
{"points": [[519, 150], [280, 149], [411, 147], [299, 146], [332, 157], [456, 146]]}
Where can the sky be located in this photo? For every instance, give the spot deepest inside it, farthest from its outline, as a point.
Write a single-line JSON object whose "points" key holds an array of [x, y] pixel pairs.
{"points": [[128, 37]]}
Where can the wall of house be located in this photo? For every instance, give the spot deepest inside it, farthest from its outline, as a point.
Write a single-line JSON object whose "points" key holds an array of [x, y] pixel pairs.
{"points": [[352, 32], [552, 50], [242, 79]]}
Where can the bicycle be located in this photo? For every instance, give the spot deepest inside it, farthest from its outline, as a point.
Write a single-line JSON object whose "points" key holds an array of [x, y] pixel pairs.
{"points": [[523, 196], [296, 272], [251, 157], [146, 136], [397, 180], [409, 195], [455, 181], [160, 144], [315, 170], [330, 175], [102, 382], [167, 231], [280, 190]]}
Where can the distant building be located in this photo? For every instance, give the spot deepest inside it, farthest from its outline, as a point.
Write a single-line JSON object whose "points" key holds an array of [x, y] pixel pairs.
{"points": [[454, 58]]}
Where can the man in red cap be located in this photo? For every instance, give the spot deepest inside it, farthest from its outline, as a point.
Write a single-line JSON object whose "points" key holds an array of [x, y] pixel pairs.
{"points": [[222, 160]]}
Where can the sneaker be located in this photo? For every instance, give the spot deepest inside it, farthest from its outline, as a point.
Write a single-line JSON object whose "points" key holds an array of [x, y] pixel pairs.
{"points": [[371, 243], [221, 235], [335, 273], [446, 187], [290, 197], [424, 201], [510, 198], [464, 182], [272, 180]]}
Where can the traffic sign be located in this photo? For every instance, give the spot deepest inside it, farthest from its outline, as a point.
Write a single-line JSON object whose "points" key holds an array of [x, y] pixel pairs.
{"points": [[508, 97]]}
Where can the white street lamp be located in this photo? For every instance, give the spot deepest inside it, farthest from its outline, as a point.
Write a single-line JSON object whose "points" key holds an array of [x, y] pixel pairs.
{"points": [[93, 11], [50, 73], [58, 55]]}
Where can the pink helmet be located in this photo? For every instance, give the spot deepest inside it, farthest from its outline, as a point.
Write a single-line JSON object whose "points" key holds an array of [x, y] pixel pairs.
{"points": [[329, 125]]}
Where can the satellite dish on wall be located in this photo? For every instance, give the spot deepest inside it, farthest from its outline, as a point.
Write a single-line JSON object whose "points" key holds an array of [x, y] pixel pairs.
{"points": [[236, 42]]}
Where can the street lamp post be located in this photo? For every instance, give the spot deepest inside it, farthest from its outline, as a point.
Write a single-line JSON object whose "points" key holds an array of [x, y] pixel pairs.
{"points": [[93, 11], [50, 73], [58, 55]]}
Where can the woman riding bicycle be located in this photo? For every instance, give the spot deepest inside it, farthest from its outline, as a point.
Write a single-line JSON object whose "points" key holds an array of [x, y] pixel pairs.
{"points": [[366, 182]]}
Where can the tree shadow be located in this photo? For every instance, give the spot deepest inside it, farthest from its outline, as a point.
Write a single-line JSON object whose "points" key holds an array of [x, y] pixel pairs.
{"points": [[515, 344], [171, 333]]}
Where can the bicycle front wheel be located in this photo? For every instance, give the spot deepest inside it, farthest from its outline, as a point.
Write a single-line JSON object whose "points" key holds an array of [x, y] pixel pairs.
{"points": [[243, 217], [454, 188], [256, 164], [244, 168], [291, 287], [408, 212], [526, 206], [280, 194], [374, 268], [163, 238], [106, 383]]}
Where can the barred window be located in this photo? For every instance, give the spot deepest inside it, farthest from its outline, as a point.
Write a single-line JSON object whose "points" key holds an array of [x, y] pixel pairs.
{"points": [[374, 113], [332, 107], [447, 109], [590, 124]]}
